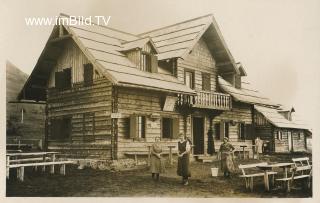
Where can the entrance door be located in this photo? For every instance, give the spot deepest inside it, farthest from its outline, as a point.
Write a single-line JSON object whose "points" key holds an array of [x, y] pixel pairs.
{"points": [[290, 141], [198, 135]]}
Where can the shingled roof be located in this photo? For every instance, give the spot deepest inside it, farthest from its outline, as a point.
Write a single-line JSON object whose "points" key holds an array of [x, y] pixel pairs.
{"points": [[176, 41], [246, 93], [278, 120]]}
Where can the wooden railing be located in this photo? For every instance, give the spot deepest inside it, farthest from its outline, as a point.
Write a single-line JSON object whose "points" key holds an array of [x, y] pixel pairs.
{"points": [[212, 100]]}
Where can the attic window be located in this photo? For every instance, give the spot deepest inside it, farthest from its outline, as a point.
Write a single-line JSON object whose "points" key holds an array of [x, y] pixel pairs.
{"points": [[63, 79], [149, 62]]}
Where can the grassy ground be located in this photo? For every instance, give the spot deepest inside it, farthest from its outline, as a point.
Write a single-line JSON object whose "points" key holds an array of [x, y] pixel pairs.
{"points": [[138, 183]]}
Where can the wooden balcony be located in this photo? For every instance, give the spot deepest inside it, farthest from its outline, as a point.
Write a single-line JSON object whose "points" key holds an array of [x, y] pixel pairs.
{"points": [[210, 100]]}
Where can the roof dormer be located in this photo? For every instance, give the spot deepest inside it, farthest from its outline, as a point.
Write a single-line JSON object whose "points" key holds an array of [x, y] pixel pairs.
{"points": [[143, 53]]}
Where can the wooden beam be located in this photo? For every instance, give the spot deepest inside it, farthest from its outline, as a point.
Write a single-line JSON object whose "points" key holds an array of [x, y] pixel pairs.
{"points": [[59, 39]]}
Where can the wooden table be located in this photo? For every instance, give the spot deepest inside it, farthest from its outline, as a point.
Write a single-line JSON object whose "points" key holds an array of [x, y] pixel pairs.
{"points": [[269, 167], [244, 154]]}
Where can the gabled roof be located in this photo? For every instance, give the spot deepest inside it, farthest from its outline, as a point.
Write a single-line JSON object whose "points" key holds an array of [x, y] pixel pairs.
{"points": [[278, 120], [246, 94], [101, 46], [176, 41]]}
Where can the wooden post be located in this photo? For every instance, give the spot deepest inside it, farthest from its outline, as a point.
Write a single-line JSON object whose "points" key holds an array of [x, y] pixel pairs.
{"points": [[63, 169], [46, 130], [114, 125], [20, 173], [52, 169], [7, 166]]}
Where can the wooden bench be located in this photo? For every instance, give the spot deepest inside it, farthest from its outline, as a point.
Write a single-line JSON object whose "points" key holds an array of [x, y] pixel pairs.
{"points": [[33, 159], [147, 153], [249, 171], [20, 167], [302, 170]]}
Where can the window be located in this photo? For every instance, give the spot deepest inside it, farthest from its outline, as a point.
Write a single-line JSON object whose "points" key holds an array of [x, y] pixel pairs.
{"points": [[63, 79], [88, 74], [279, 135], [149, 62], [206, 82], [241, 131], [137, 126], [300, 135], [60, 128], [217, 131], [226, 129], [189, 79], [167, 128]]}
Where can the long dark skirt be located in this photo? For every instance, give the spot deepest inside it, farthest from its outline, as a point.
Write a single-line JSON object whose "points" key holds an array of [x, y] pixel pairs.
{"points": [[183, 166]]}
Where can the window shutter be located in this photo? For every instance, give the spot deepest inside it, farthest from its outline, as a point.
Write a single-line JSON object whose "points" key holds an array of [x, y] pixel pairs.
{"points": [[175, 128], [87, 74], [59, 80], [248, 131], [133, 126], [67, 78], [154, 64]]}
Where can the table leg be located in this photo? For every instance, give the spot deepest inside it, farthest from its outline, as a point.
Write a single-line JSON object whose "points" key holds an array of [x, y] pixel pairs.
{"points": [[266, 181]]}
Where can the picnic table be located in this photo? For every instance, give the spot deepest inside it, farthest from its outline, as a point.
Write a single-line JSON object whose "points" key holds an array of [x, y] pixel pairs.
{"points": [[270, 167]]}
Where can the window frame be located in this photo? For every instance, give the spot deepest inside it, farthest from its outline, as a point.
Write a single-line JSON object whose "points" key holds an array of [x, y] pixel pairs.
{"points": [[170, 128], [192, 80], [206, 81]]}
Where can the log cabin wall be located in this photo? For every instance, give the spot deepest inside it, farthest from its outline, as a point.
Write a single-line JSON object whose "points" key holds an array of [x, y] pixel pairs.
{"points": [[86, 107], [240, 113], [299, 141], [200, 61], [143, 103], [281, 140], [89, 109]]}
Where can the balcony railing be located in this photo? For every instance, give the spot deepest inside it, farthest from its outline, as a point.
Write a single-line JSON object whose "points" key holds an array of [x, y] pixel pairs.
{"points": [[212, 100]]}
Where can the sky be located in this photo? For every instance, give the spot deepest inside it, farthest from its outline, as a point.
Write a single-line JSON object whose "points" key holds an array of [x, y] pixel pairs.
{"points": [[277, 41]]}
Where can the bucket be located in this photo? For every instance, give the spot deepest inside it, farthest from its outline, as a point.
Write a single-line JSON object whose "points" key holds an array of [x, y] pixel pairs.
{"points": [[214, 171]]}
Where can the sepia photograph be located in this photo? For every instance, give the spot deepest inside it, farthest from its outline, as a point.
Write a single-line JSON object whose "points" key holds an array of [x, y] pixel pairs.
{"points": [[160, 99]]}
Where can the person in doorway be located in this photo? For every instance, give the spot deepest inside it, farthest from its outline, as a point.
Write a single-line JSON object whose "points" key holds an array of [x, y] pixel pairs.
{"points": [[226, 157], [156, 162], [258, 146], [183, 159]]}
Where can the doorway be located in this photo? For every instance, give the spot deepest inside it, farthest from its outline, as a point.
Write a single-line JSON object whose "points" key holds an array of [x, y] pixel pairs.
{"points": [[198, 135]]}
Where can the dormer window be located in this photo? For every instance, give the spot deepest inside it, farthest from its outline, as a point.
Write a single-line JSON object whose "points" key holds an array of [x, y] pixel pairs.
{"points": [[146, 61]]}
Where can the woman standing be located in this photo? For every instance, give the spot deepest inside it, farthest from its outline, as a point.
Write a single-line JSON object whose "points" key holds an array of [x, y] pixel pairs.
{"points": [[156, 165], [226, 157], [183, 159]]}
